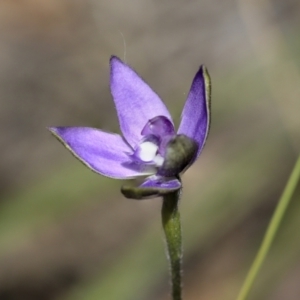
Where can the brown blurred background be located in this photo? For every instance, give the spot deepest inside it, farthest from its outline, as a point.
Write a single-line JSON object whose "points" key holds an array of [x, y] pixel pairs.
{"points": [[67, 233]]}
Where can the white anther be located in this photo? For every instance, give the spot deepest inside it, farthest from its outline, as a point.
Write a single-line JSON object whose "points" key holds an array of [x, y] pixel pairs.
{"points": [[159, 160], [147, 151]]}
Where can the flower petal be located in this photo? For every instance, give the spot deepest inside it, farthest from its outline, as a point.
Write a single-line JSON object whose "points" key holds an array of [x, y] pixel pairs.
{"points": [[102, 152], [195, 120], [154, 186], [135, 101]]}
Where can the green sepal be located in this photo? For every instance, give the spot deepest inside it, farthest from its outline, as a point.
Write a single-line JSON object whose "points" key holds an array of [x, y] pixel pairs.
{"points": [[139, 193]]}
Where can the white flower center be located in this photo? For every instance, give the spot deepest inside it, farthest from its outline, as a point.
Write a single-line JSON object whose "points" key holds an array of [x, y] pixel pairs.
{"points": [[159, 160], [147, 151]]}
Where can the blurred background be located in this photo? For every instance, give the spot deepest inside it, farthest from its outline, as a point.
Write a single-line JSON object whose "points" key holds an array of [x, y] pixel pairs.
{"points": [[67, 233]]}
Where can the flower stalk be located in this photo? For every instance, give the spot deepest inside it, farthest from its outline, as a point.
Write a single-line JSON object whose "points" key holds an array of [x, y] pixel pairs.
{"points": [[172, 229]]}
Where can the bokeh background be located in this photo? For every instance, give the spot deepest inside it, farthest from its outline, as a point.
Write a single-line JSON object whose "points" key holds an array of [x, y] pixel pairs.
{"points": [[67, 233]]}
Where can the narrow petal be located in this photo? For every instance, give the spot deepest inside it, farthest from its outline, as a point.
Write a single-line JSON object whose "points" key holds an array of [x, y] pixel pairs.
{"points": [[154, 186], [195, 120], [135, 101], [102, 152]]}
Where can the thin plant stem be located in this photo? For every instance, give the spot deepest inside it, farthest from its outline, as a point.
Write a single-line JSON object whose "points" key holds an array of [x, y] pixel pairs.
{"points": [[271, 231], [172, 229]]}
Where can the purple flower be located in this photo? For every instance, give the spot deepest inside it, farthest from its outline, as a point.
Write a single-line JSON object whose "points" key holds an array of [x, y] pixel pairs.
{"points": [[150, 145]]}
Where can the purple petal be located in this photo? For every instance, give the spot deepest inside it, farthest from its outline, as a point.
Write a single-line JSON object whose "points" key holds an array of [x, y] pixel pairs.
{"points": [[135, 101], [196, 113], [161, 183], [102, 152]]}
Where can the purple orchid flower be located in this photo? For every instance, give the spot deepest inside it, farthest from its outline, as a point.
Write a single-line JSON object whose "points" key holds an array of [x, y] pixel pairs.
{"points": [[150, 145]]}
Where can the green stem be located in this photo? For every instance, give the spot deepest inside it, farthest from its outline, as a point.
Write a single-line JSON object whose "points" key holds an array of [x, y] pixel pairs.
{"points": [[172, 229], [271, 231]]}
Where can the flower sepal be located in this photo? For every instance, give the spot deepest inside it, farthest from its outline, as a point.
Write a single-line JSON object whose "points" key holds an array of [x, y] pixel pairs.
{"points": [[153, 186]]}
